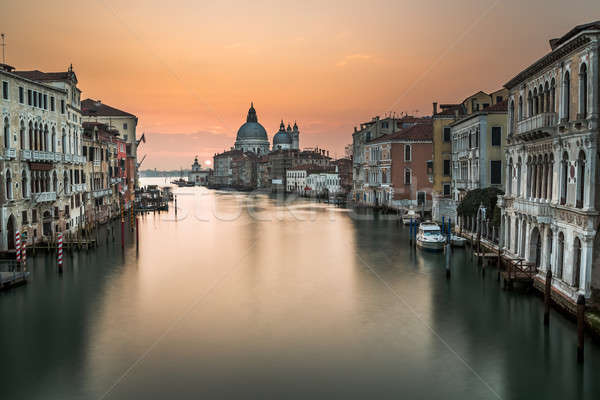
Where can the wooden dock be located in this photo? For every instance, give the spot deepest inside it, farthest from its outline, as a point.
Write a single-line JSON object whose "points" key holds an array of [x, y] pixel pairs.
{"points": [[12, 279]]}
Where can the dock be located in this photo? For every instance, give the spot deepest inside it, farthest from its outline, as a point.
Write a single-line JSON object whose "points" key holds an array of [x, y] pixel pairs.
{"points": [[12, 279]]}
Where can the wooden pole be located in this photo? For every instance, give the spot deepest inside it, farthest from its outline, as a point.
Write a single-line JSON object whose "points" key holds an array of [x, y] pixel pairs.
{"points": [[580, 327], [547, 296]]}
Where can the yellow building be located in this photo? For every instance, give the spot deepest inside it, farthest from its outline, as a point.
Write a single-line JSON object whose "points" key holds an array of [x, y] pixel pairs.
{"points": [[443, 205]]}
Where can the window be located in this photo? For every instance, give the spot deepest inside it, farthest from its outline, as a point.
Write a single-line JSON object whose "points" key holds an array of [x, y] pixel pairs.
{"points": [[407, 176], [446, 189], [62, 106], [24, 217], [496, 136], [407, 152], [446, 167], [45, 102], [496, 172], [40, 100], [35, 103], [447, 131], [5, 90], [21, 95], [125, 125], [29, 101], [51, 103], [499, 99]]}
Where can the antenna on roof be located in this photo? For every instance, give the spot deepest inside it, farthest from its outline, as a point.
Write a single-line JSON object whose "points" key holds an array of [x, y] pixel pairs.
{"points": [[3, 48]]}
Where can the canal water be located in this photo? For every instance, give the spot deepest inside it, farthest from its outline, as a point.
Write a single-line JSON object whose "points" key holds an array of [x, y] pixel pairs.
{"points": [[250, 296]]}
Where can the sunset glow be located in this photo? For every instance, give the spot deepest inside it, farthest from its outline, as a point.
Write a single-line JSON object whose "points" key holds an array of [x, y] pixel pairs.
{"points": [[189, 70]]}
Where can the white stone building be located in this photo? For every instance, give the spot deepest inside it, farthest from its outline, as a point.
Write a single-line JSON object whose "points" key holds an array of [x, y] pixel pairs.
{"points": [[550, 211], [40, 155]]}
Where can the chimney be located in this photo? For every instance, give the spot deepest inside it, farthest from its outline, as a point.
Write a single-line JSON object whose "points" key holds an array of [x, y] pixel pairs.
{"points": [[434, 108]]}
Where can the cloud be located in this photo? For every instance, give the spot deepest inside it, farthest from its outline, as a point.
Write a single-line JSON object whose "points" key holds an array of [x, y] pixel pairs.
{"points": [[355, 57]]}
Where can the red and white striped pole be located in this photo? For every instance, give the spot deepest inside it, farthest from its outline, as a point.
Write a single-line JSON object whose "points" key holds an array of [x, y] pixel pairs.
{"points": [[24, 254], [60, 255], [18, 246]]}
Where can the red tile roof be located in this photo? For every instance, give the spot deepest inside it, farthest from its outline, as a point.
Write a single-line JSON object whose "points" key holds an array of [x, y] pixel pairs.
{"points": [[40, 76], [92, 108], [418, 132]]}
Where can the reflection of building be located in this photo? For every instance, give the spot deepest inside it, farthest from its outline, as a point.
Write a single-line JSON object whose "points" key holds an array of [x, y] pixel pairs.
{"points": [[550, 208], [198, 175], [395, 168]]}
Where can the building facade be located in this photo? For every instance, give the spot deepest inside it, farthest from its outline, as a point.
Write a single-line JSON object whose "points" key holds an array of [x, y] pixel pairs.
{"points": [[550, 208]]}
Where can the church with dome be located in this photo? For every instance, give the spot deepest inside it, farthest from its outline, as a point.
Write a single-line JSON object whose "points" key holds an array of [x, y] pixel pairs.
{"points": [[252, 136]]}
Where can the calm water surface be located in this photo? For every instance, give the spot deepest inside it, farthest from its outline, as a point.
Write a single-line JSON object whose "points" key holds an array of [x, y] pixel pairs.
{"points": [[249, 297]]}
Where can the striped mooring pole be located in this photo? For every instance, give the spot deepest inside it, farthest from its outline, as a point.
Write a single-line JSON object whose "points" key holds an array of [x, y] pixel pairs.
{"points": [[24, 254], [60, 253], [18, 246]]}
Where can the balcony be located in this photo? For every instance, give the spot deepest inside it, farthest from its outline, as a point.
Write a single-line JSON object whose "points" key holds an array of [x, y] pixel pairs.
{"points": [[68, 158], [78, 187], [38, 155], [539, 125], [540, 210], [10, 153], [78, 159], [96, 163], [102, 193], [26, 155], [43, 197], [114, 181]]}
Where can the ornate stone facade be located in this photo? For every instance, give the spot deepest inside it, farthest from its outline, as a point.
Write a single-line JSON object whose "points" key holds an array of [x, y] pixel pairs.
{"points": [[550, 210]]}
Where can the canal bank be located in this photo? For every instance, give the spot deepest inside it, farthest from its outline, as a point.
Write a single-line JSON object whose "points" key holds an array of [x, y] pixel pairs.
{"points": [[250, 296]]}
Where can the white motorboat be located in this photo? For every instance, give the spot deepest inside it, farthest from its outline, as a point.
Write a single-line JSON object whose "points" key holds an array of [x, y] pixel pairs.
{"points": [[457, 241], [411, 215], [429, 237]]}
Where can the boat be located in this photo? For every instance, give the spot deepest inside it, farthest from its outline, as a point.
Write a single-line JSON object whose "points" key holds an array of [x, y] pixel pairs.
{"points": [[411, 215], [182, 183], [429, 236], [457, 241]]}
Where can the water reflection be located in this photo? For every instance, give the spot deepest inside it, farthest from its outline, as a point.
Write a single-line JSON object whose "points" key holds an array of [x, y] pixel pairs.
{"points": [[288, 299]]}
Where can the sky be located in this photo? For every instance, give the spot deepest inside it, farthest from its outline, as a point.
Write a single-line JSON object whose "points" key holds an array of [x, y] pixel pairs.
{"points": [[189, 69]]}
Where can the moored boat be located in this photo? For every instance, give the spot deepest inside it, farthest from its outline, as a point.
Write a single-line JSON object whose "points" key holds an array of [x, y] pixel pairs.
{"points": [[457, 241], [410, 215], [429, 237]]}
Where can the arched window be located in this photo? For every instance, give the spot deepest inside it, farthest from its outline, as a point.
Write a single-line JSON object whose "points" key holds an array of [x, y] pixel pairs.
{"points": [[30, 137], [583, 92], [54, 182], [580, 179], [547, 97], [511, 117], [576, 262], [22, 135], [24, 184], [550, 175], [560, 255], [407, 176], [9, 193], [53, 141], [535, 102], [64, 142], [6, 133], [66, 188], [520, 108], [529, 104], [566, 96], [519, 177], [45, 141], [564, 179], [553, 95], [509, 177], [541, 99], [407, 153]]}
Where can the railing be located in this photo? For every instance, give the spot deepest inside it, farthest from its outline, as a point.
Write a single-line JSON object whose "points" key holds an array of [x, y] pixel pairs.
{"points": [[531, 208], [78, 187], [537, 122], [78, 159], [10, 153], [102, 192], [68, 157], [96, 163], [38, 155], [117, 180], [26, 154], [44, 197]]}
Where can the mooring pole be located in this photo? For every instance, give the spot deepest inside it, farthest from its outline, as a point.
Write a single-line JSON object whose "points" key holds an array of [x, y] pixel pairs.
{"points": [[137, 234], [122, 227], [547, 295], [580, 327], [60, 253], [175, 207], [410, 229], [448, 269]]}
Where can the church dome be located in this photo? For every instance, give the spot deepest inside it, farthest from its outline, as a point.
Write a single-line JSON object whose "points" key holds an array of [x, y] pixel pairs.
{"points": [[252, 130], [282, 137]]}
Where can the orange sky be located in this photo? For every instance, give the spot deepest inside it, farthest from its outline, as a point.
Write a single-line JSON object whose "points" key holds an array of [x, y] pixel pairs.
{"points": [[189, 69]]}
